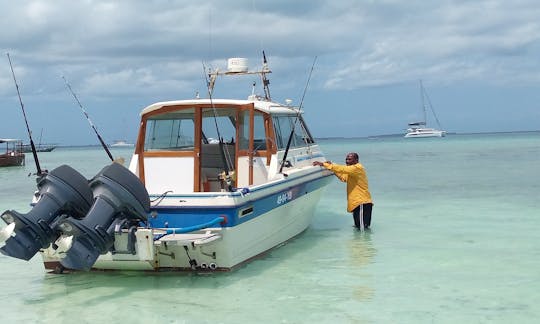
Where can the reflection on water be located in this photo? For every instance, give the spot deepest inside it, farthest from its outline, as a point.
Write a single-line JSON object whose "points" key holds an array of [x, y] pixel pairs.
{"points": [[361, 249], [361, 255]]}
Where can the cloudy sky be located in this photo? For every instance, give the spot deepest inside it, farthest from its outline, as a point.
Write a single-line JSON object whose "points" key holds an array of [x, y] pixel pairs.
{"points": [[478, 60]]}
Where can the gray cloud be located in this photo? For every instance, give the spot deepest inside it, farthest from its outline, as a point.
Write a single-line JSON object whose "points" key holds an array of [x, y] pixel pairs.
{"points": [[146, 50], [368, 43], [445, 41]]}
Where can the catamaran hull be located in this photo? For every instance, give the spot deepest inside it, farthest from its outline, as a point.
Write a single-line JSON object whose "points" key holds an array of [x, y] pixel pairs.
{"points": [[425, 134]]}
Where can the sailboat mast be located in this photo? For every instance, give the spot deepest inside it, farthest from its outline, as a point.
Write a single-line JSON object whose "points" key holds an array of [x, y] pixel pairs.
{"points": [[432, 110], [422, 95]]}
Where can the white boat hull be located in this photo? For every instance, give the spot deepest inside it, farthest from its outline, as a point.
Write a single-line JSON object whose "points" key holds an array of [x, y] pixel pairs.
{"points": [[218, 248], [424, 132]]}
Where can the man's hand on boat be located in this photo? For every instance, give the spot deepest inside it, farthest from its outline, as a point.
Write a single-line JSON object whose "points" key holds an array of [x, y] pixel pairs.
{"points": [[320, 163]]}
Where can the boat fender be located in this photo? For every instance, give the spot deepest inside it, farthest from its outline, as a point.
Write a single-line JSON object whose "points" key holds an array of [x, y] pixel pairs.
{"points": [[204, 265], [212, 266]]}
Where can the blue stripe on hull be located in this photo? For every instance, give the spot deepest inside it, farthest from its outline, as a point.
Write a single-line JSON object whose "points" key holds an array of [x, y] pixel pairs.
{"points": [[182, 216]]}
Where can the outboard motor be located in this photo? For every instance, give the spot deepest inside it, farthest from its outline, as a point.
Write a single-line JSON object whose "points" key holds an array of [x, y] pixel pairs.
{"points": [[120, 201], [63, 191]]}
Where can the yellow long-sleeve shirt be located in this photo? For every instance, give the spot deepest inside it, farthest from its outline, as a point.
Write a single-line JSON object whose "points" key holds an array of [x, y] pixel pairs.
{"points": [[357, 183]]}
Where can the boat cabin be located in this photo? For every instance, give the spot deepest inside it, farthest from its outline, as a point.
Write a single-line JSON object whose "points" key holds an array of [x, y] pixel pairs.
{"points": [[226, 143]]}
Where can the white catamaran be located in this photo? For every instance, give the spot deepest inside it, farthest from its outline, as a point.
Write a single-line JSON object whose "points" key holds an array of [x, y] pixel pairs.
{"points": [[212, 183], [418, 129]]}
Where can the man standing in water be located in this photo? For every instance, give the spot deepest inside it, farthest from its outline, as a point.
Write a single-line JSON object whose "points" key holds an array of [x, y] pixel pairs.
{"points": [[358, 196]]}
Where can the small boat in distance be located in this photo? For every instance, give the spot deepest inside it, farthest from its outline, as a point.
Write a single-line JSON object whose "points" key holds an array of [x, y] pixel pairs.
{"points": [[12, 155], [212, 184], [418, 129], [40, 147], [121, 143], [27, 148]]}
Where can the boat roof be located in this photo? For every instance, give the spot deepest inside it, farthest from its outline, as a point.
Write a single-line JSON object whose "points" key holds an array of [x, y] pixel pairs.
{"points": [[9, 140], [261, 105]]}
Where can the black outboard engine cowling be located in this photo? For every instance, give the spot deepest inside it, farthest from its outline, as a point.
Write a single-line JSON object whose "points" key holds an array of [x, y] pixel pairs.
{"points": [[120, 201], [61, 191]]}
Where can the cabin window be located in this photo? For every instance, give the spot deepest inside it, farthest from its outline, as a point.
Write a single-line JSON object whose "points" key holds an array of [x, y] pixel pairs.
{"points": [[243, 130], [283, 126], [218, 125], [307, 135], [259, 134], [225, 119], [170, 132]]}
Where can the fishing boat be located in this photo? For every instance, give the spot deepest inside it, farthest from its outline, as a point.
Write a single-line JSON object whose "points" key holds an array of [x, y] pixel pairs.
{"points": [[27, 148], [212, 184], [39, 147], [419, 129], [12, 154]]}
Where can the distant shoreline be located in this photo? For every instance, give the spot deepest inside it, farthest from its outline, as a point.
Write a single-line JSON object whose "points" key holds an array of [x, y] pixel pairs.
{"points": [[337, 137], [448, 133]]}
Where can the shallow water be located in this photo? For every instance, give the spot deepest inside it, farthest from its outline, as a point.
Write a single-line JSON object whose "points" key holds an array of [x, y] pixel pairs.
{"points": [[454, 239]]}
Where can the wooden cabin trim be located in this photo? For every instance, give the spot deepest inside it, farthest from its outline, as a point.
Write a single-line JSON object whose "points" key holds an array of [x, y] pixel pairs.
{"points": [[196, 152], [271, 147], [250, 145], [139, 149]]}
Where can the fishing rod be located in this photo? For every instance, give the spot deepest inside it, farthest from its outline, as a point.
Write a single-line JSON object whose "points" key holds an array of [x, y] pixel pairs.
{"points": [[89, 121], [34, 151], [296, 119]]}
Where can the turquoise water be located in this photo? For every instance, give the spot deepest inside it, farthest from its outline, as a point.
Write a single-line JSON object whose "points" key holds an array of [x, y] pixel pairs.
{"points": [[454, 239]]}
